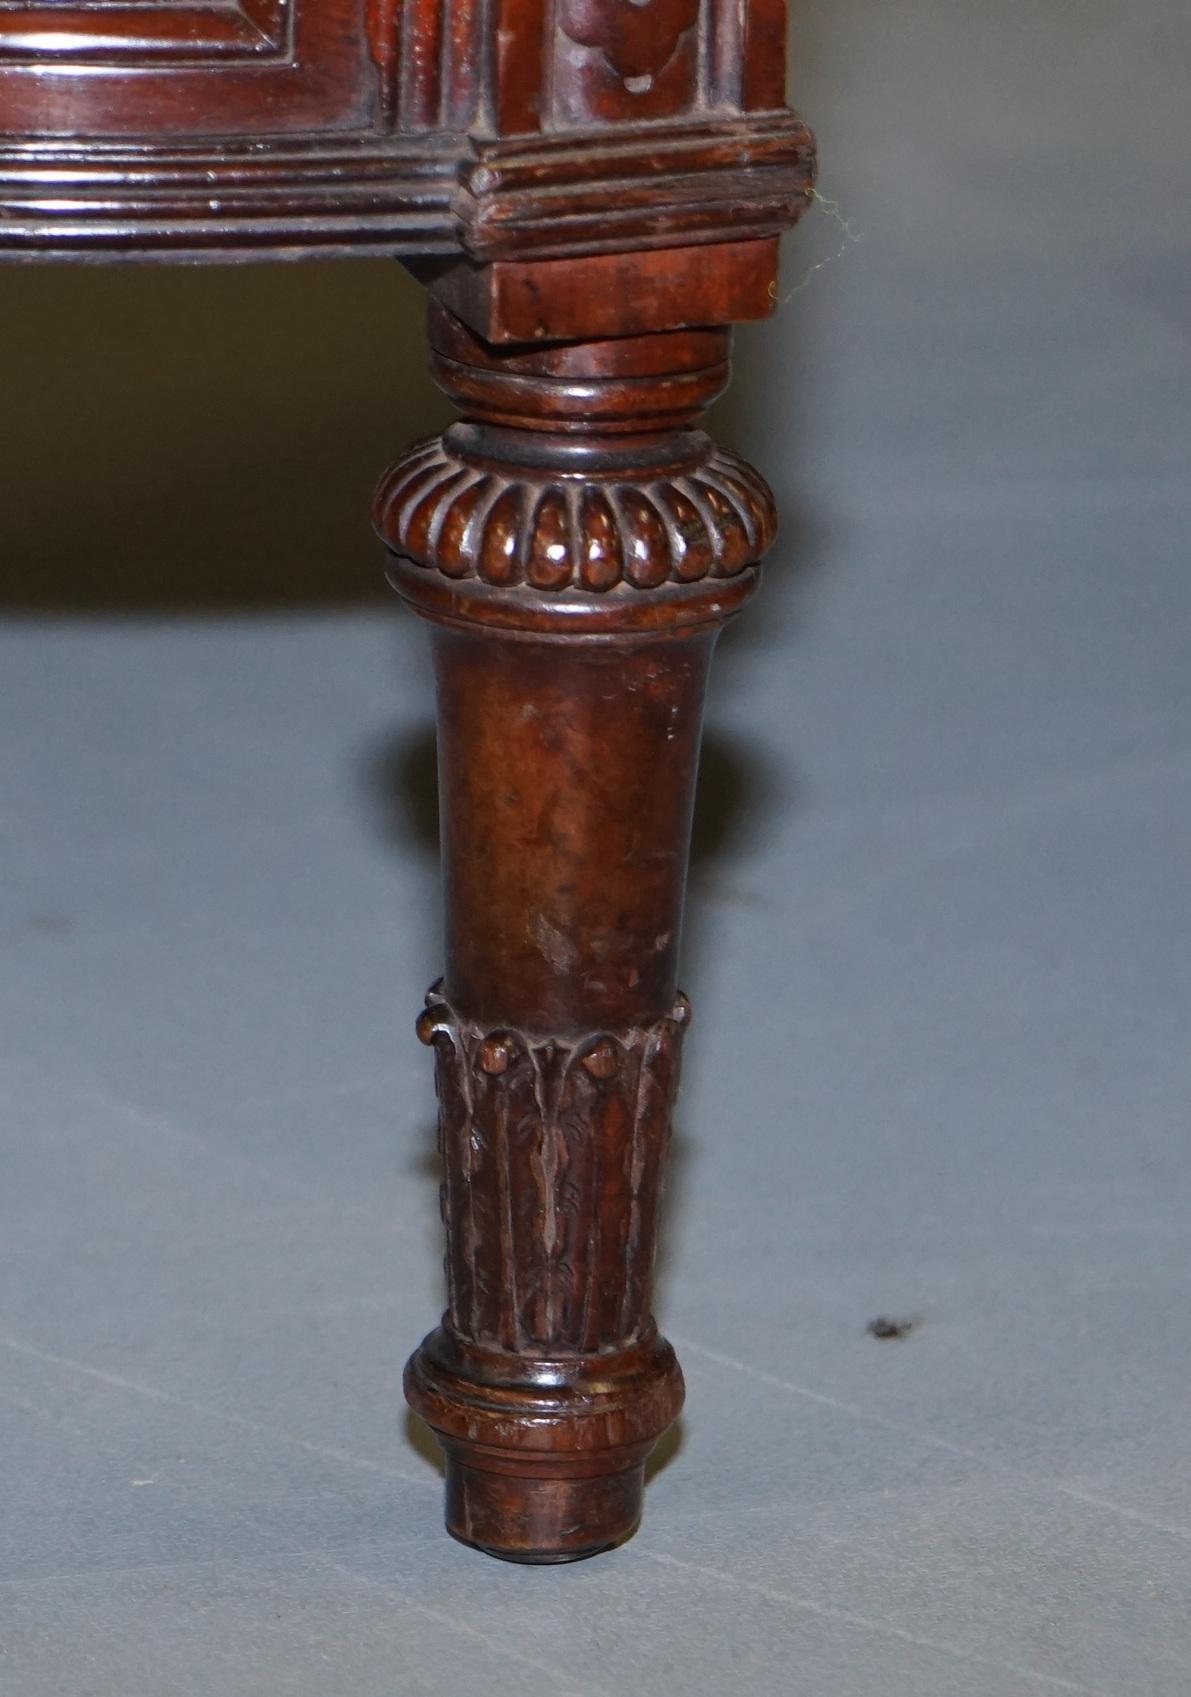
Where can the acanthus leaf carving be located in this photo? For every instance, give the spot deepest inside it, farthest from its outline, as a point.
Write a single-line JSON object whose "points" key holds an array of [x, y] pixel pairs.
{"points": [[537, 1134]]}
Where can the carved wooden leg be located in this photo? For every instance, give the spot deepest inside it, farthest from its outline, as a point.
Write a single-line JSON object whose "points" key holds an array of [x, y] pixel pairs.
{"points": [[576, 544]]}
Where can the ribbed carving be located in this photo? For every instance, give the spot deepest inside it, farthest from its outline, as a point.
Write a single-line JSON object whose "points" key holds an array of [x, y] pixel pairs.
{"points": [[552, 1153], [568, 532]]}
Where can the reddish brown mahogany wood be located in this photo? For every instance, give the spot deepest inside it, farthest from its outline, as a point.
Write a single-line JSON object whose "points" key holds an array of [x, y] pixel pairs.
{"points": [[577, 543], [162, 128], [84, 71], [511, 300], [592, 190]]}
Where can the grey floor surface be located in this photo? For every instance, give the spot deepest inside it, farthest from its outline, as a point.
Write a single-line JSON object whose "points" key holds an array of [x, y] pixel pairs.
{"points": [[940, 1066]]}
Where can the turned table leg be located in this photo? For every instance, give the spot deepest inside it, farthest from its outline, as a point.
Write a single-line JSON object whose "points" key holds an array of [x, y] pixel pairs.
{"points": [[576, 544]]}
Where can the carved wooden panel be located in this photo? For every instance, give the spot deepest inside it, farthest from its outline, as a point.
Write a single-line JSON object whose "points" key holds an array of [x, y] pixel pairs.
{"points": [[185, 68], [156, 30], [494, 128]]}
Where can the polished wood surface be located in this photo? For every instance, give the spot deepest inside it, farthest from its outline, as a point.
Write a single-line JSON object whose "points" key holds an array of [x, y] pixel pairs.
{"points": [[576, 543], [591, 193], [282, 127]]}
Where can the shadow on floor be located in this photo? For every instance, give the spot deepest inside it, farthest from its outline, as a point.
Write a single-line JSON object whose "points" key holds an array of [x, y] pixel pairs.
{"points": [[204, 439]]}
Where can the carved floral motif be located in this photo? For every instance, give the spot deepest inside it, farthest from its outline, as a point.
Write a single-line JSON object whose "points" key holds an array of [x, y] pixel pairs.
{"points": [[552, 1151], [636, 37], [571, 533]]}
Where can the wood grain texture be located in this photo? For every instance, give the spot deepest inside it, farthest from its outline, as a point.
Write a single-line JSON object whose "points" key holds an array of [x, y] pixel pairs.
{"points": [[520, 300]]}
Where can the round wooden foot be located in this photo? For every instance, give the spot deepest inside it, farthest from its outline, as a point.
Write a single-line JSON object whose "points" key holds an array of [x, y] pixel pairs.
{"points": [[545, 1459], [511, 1514]]}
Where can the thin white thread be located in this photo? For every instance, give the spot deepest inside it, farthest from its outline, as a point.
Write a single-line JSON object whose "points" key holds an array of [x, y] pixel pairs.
{"points": [[851, 238]]}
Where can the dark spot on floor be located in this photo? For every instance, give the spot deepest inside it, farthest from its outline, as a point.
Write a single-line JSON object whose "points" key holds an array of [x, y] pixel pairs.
{"points": [[883, 1327], [56, 924]]}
